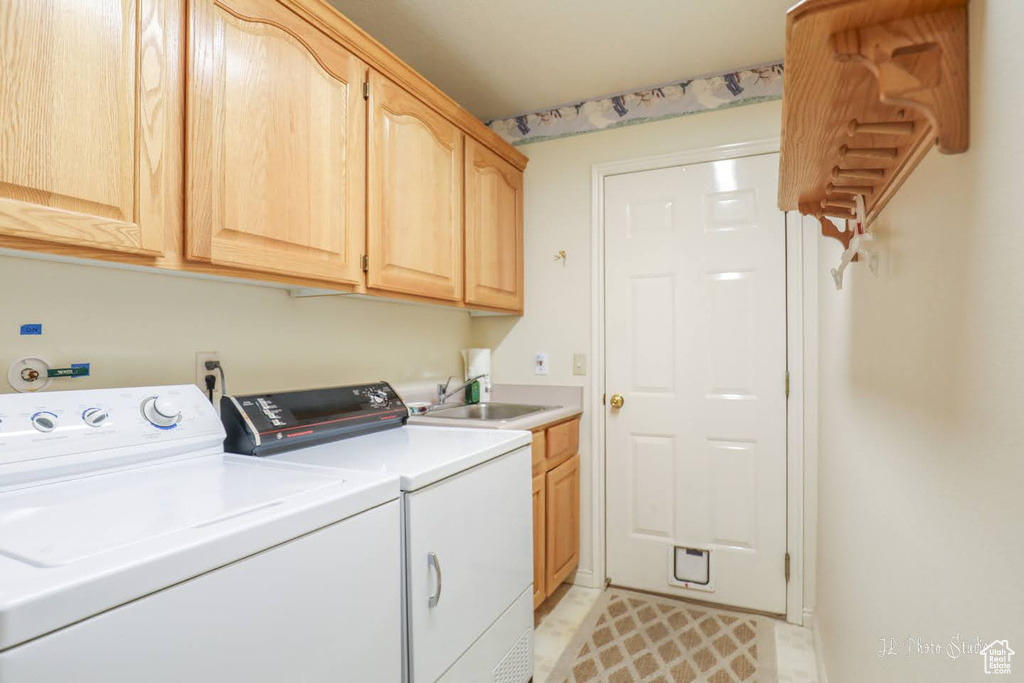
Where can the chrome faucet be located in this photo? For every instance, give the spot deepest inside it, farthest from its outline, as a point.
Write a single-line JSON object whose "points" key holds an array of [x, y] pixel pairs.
{"points": [[442, 389]]}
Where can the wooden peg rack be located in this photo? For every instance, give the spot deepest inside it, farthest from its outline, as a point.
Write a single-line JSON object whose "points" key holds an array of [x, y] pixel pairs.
{"points": [[870, 86]]}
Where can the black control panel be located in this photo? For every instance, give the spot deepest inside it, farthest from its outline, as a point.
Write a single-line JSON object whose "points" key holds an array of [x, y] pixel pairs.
{"points": [[265, 424]]}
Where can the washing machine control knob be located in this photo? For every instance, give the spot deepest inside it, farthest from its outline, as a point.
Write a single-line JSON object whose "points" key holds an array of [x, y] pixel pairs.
{"points": [[161, 412], [94, 417], [44, 421]]}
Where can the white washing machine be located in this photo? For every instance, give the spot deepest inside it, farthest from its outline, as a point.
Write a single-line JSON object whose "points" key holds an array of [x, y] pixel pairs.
{"points": [[133, 549]]}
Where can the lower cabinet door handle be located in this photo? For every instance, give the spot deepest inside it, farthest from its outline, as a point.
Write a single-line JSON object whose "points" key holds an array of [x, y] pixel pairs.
{"points": [[432, 561]]}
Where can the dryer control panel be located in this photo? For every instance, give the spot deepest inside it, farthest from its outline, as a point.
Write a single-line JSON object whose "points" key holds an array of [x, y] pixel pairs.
{"points": [[265, 424]]}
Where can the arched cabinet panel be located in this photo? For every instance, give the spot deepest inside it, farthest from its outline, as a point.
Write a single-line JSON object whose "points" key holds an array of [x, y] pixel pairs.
{"points": [[276, 144], [494, 230], [414, 233]]}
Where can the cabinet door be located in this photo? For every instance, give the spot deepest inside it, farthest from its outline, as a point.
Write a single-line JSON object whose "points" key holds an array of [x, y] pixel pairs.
{"points": [[563, 522], [539, 568], [494, 230], [468, 542], [86, 132], [276, 143], [414, 234]]}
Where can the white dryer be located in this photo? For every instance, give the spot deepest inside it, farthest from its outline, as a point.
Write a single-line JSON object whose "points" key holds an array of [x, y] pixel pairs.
{"points": [[467, 537], [133, 549]]}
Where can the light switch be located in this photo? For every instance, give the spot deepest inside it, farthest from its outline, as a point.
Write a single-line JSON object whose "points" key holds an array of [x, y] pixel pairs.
{"points": [[579, 363], [540, 365]]}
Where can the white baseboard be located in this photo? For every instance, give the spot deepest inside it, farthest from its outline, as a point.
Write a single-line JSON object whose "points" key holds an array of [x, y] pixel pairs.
{"points": [[819, 651], [586, 578]]}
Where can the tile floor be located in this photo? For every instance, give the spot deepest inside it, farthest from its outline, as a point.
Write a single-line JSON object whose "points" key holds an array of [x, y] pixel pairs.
{"points": [[556, 622], [561, 615], [794, 650]]}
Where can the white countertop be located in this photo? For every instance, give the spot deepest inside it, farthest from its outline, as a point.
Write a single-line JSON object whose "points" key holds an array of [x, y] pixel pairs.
{"points": [[524, 423]]}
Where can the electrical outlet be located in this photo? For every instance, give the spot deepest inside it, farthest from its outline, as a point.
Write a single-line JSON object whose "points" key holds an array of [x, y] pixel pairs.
{"points": [[579, 363], [540, 364], [202, 372]]}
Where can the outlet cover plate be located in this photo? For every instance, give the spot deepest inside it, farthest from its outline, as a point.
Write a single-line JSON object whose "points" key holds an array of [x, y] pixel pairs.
{"points": [[202, 372], [540, 363]]}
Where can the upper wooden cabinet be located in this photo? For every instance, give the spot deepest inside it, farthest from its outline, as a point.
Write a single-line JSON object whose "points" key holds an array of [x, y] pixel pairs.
{"points": [[494, 230], [272, 140], [83, 113], [276, 143], [414, 232]]}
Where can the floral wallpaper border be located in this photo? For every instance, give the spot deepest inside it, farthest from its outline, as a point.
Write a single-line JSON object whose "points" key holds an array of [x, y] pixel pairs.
{"points": [[707, 93]]}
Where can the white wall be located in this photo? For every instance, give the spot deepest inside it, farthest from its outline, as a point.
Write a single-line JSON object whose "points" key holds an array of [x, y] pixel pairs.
{"points": [[140, 328], [557, 217], [922, 402]]}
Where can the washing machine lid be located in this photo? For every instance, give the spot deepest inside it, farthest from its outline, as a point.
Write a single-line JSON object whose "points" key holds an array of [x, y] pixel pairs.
{"points": [[419, 455], [73, 548]]}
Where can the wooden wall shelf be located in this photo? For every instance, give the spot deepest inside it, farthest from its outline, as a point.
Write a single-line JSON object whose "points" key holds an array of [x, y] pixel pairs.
{"points": [[870, 86]]}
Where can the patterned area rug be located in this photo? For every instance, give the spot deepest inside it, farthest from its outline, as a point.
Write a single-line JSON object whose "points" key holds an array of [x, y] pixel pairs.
{"points": [[632, 637]]}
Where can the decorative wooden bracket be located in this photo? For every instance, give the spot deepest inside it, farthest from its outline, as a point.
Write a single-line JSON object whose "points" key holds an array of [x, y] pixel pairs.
{"points": [[829, 229], [919, 62]]}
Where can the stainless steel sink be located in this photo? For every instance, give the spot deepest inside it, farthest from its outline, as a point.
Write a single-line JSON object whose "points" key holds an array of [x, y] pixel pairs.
{"points": [[486, 411]]}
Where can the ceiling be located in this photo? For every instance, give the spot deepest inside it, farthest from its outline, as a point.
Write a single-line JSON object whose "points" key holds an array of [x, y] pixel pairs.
{"points": [[500, 58]]}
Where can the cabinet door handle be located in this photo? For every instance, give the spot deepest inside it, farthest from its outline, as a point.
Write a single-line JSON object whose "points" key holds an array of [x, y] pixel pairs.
{"points": [[432, 561]]}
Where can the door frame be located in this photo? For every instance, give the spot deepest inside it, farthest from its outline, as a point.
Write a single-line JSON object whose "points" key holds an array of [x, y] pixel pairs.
{"points": [[801, 360]]}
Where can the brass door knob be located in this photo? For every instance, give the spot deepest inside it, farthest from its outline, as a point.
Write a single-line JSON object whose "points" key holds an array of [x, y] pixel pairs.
{"points": [[617, 401]]}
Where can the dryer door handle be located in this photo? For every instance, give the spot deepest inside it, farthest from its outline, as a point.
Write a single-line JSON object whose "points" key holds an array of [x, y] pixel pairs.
{"points": [[432, 561]]}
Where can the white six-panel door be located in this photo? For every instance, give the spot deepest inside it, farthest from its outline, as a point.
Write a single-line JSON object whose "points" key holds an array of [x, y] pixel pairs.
{"points": [[696, 346]]}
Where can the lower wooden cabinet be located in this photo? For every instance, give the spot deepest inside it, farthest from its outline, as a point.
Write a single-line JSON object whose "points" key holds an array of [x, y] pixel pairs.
{"points": [[556, 507], [562, 515], [539, 502], [538, 453], [562, 442]]}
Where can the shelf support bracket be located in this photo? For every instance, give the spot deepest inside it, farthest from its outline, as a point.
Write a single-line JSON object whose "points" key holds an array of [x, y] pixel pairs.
{"points": [[829, 229], [919, 62]]}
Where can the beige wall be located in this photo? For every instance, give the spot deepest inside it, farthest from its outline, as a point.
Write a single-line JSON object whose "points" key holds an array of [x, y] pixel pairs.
{"points": [[557, 217], [922, 415], [140, 328]]}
